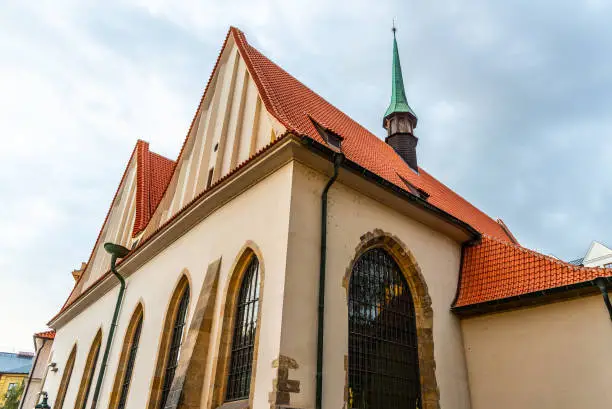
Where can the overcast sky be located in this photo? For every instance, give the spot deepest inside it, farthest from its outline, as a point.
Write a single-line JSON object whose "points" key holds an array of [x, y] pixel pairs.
{"points": [[513, 98]]}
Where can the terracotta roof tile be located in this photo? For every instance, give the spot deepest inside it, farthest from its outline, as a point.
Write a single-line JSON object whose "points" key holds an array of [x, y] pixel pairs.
{"points": [[291, 102], [46, 334], [496, 269]]}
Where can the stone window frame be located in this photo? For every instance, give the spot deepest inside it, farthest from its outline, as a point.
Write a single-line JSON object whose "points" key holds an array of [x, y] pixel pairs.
{"points": [[89, 371], [65, 382], [401, 254], [227, 316], [157, 381], [128, 340]]}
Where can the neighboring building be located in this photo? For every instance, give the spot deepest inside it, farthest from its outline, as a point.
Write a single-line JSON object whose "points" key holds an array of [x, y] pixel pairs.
{"points": [[289, 258], [43, 342], [598, 255], [14, 369]]}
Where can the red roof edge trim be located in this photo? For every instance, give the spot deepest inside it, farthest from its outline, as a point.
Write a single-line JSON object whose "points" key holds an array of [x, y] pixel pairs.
{"points": [[193, 120], [507, 230], [142, 170]]}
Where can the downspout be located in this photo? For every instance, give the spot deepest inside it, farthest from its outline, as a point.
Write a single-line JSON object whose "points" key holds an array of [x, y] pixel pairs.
{"points": [[116, 252], [338, 159], [603, 287], [27, 388]]}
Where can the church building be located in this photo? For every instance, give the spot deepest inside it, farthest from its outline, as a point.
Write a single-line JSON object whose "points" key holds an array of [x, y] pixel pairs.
{"points": [[289, 258]]}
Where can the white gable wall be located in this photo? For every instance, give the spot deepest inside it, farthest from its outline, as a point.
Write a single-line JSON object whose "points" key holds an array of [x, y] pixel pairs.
{"points": [[231, 125], [117, 229]]}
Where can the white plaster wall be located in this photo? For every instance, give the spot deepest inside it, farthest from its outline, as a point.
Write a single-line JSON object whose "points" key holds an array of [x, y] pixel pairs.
{"points": [[260, 215], [118, 228], [351, 215], [38, 372], [555, 356]]}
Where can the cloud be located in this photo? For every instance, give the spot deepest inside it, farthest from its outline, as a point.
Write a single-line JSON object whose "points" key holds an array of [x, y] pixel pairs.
{"points": [[512, 99]]}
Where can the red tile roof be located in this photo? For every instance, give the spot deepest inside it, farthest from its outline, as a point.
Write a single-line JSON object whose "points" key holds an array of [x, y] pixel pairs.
{"points": [[46, 334], [496, 269], [153, 175], [291, 102]]}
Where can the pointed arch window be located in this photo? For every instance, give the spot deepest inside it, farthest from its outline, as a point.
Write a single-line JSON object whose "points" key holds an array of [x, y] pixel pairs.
{"points": [[170, 345], [243, 340], [88, 373], [61, 392], [127, 360], [175, 345], [383, 362]]}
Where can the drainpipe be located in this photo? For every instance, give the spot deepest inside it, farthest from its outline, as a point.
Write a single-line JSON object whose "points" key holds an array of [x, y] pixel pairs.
{"points": [[603, 287], [27, 388], [338, 159], [116, 251]]}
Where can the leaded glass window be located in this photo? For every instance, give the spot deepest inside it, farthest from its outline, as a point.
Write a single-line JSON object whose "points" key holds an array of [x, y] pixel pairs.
{"points": [[175, 345], [243, 341], [383, 350], [129, 369]]}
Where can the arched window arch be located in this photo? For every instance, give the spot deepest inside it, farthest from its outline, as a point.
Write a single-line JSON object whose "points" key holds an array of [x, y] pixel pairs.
{"points": [[170, 345], [127, 360], [61, 392], [243, 337], [88, 372], [383, 359], [235, 368]]}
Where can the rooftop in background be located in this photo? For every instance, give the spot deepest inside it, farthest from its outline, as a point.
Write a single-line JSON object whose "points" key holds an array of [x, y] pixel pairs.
{"points": [[46, 334], [598, 255], [16, 363]]}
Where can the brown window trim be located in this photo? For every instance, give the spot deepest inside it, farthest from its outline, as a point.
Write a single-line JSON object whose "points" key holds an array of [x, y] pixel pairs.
{"points": [[65, 382], [128, 342]]}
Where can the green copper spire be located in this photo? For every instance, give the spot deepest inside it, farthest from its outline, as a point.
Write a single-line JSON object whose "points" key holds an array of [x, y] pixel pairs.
{"points": [[399, 103]]}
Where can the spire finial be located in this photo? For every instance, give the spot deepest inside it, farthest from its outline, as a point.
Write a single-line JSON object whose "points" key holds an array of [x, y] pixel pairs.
{"points": [[399, 103]]}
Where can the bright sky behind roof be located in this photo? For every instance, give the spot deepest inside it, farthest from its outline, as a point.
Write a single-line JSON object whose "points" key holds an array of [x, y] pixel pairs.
{"points": [[513, 100]]}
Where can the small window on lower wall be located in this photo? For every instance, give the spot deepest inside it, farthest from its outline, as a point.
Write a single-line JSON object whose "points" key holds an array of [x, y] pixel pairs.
{"points": [[210, 177]]}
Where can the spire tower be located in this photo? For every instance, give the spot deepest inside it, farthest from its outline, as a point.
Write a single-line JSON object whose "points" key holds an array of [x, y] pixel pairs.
{"points": [[400, 120]]}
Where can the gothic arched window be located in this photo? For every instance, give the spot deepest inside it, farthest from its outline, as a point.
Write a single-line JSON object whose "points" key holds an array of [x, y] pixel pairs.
{"points": [[127, 359], [61, 392], [170, 345], [243, 339], [383, 361], [175, 345], [88, 372]]}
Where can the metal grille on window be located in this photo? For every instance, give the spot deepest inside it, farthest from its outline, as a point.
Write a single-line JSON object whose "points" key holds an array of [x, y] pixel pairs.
{"points": [[383, 351], [175, 346], [125, 386], [243, 341]]}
